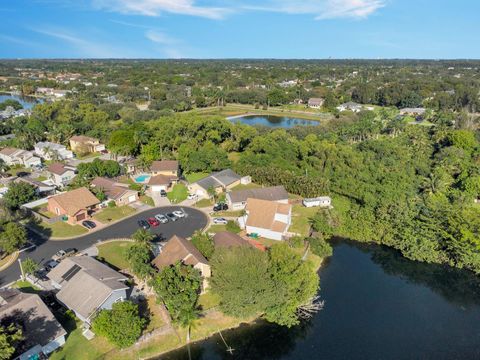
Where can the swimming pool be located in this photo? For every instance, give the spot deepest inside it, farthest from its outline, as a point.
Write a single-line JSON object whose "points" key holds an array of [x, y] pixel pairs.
{"points": [[142, 178]]}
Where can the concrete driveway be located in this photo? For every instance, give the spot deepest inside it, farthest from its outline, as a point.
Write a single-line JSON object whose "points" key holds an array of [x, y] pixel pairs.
{"points": [[194, 220]]}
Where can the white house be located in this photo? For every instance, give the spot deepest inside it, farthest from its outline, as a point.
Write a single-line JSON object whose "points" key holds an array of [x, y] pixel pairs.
{"points": [[268, 219], [61, 174], [14, 156], [352, 106], [87, 286], [52, 151], [315, 103], [321, 201]]}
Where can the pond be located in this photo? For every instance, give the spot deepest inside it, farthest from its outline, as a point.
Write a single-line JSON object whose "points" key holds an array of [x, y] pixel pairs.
{"points": [[272, 121], [378, 305], [27, 102]]}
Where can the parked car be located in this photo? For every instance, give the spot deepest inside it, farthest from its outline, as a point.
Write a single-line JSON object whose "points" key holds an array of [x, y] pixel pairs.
{"points": [[143, 224], [171, 217], [220, 207], [192, 196], [220, 221], [49, 265], [62, 254], [163, 193], [89, 224], [153, 222], [161, 218], [179, 213]]}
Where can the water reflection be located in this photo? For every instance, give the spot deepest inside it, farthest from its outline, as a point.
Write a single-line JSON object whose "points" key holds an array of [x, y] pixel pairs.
{"points": [[273, 121]]}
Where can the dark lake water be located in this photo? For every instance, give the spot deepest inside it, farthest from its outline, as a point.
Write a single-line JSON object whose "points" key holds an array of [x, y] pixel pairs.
{"points": [[273, 121], [378, 305], [27, 101]]}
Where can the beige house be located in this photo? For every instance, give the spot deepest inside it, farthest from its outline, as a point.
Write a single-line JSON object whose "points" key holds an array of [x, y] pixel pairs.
{"points": [[85, 144], [61, 174], [180, 249], [161, 182], [165, 167], [14, 156], [220, 181], [268, 219], [117, 192], [77, 205]]}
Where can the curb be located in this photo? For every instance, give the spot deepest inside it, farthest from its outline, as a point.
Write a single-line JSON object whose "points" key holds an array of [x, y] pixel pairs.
{"points": [[14, 257]]}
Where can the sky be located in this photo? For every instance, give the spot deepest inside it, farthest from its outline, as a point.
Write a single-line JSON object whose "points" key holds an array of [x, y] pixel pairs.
{"points": [[312, 29]]}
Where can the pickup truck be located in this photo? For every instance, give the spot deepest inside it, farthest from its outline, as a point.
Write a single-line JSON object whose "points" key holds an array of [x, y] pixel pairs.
{"points": [[62, 254]]}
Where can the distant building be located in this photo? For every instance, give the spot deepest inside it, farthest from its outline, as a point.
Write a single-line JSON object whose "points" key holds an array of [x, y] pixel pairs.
{"points": [[321, 201], [315, 103], [413, 111], [87, 286], [42, 333], [85, 144], [351, 106], [14, 156], [52, 151]]}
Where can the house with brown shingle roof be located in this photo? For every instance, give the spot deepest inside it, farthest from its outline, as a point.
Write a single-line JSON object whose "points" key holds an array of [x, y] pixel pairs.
{"points": [[179, 249], [165, 167], [87, 286], [61, 174], [42, 333], [161, 182], [117, 192], [268, 219], [77, 205]]}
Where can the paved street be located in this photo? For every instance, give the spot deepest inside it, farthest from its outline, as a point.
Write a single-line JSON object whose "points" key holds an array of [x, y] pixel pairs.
{"points": [[44, 250]]}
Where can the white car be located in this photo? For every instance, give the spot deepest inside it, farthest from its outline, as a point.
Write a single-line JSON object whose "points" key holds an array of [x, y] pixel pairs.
{"points": [[220, 221], [179, 214], [161, 218], [192, 196]]}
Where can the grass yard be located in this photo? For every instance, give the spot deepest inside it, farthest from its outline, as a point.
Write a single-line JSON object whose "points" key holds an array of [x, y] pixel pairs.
{"points": [[59, 229], [154, 313], [14, 171], [178, 193], [25, 286], [246, 186], [147, 200], [208, 300], [300, 219], [110, 214], [87, 156], [233, 213], [114, 253], [193, 177], [217, 228], [204, 203]]}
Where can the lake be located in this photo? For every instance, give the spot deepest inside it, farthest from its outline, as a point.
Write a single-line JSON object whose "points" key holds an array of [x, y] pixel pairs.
{"points": [[27, 102], [378, 305], [272, 121]]}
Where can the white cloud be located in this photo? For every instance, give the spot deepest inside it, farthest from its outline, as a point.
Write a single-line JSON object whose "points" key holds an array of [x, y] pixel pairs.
{"points": [[323, 9], [159, 37], [156, 7]]}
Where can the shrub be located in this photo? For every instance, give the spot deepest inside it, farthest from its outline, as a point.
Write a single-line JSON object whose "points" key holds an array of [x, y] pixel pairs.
{"points": [[320, 247], [111, 204], [232, 226]]}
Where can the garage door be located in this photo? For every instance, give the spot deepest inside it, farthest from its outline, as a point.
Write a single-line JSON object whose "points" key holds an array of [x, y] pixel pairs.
{"points": [[158, 187], [132, 198], [81, 217]]}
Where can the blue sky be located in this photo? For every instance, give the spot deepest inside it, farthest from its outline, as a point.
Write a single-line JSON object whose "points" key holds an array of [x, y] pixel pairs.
{"points": [[239, 29]]}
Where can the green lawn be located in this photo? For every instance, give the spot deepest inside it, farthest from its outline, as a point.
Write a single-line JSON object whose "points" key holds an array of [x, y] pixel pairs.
{"points": [[228, 213], [14, 171], [204, 203], [300, 219], [114, 253], [87, 156], [41, 178], [217, 228], [147, 200], [208, 300], [178, 193], [59, 229], [110, 214], [246, 186], [25, 286], [193, 177]]}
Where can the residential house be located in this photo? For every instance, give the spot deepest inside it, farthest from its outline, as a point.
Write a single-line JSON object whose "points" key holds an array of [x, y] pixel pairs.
{"points": [[77, 205], [315, 103], [321, 201], [161, 182], [237, 200], [117, 192], [61, 174], [42, 333], [14, 156], [41, 188], [220, 181], [165, 167], [87, 286], [52, 151], [85, 144], [413, 111], [352, 106], [179, 249], [268, 219]]}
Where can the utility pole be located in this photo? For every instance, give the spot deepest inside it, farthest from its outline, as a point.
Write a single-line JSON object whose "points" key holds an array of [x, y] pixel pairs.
{"points": [[21, 269]]}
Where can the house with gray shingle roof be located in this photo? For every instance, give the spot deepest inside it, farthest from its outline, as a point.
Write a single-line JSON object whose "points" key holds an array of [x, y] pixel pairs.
{"points": [[219, 181], [237, 200]]}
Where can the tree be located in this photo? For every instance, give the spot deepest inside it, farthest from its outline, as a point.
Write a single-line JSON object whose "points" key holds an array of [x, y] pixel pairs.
{"points": [[143, 236], [18, 194], [29, 266], [13, 237], [10, 336], [3, 166], [178, 286], [10, 102], [320, 247], [204, 243], [139, 256], [122, 325]]}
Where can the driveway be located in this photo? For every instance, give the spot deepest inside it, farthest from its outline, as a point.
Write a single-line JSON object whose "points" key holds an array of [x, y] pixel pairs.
{"points": [[194, 220]]}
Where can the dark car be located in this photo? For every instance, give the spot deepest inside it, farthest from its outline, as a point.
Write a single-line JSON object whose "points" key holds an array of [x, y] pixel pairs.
{"points": [[171, 217], [163, 193], [89, 224], [220, 207], [143, 224], [153, 222]]}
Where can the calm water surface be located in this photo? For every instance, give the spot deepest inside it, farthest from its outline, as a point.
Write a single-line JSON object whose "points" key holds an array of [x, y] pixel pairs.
{"points": [[27, 101], [378, 305], [273, 121]]}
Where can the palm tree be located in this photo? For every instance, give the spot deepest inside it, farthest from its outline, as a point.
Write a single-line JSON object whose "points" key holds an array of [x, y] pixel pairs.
{"points": [[187, 319], [144, 237]]}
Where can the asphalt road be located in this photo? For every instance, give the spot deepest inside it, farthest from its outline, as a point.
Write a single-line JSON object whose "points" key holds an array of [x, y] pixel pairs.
{"points": [[44, 250]]}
